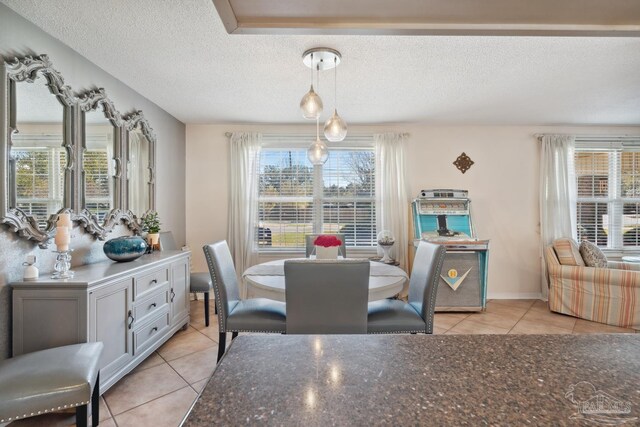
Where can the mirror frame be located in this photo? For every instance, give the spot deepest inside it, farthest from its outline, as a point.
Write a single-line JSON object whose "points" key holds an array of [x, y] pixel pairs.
{"points": [[133, 121], [28, 69], [94, 100]]}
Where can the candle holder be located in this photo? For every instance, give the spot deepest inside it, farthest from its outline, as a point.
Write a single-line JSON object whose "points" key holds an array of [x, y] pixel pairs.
{"points": [[62, 266]]}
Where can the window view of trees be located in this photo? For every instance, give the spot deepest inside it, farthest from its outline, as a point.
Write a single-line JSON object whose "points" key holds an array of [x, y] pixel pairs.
{"points": [[346, 197], [39, 180], [598, 197]]}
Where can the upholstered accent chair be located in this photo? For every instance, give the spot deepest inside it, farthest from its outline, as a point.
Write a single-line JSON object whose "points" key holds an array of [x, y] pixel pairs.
{"points": [[236, 315], [52, 380], [393, 316], [309, 248], [198, 282], [326, 296], [606, 295]]}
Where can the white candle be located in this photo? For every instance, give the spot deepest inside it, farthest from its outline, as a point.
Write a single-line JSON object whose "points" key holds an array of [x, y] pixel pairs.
{"points": [[64, 220], [62, 239]]}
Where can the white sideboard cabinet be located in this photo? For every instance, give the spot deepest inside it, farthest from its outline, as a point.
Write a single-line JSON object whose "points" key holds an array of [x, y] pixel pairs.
{"points": [[132, 307]]}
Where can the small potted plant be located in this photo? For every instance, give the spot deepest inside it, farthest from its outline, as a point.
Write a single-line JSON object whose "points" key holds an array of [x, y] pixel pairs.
{"points": [[151, 225], [327, 247]]}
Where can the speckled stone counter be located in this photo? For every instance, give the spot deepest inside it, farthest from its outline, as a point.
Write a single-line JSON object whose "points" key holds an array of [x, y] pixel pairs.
{"points": [[424, 380]]}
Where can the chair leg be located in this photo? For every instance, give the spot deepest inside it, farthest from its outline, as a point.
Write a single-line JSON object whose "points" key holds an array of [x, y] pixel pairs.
{"points": [[81, 416], [215, 307], [95, 403], [206, 309], [222, 341], [233, 335]]}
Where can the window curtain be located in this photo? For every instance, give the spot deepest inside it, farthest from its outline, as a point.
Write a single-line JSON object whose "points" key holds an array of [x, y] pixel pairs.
{"points": [[243, 203], [557, 194], [392, 195]]}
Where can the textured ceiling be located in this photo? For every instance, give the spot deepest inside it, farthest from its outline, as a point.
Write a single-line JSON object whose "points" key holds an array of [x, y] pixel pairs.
{"points": [[178, 54]]}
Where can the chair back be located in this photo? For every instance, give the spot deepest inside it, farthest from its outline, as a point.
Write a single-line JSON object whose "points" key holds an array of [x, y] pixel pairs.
{"points": [[310, 247], [425, 274], [224, 279], [326, 296], [167, 242]]}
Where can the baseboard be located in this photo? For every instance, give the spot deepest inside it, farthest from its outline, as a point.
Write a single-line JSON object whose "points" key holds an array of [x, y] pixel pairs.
{"points": [[514, 295]]}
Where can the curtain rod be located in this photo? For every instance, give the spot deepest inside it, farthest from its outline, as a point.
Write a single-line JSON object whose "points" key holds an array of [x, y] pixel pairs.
{"points": [[540, 135], [405, 134]]}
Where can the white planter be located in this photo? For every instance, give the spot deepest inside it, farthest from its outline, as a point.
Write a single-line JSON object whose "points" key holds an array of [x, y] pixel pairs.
{"points": [[327, 253]]}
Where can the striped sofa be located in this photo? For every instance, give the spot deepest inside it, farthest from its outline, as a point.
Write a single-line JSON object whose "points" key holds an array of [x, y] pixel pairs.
{"points": [[606, 295]]}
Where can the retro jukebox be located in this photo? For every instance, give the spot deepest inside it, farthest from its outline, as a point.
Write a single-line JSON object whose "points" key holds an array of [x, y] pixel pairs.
{"points": [[444, 217]]}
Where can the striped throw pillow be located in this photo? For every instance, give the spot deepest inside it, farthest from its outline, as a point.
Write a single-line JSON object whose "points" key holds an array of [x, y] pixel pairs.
{"points": [[568, 252]]}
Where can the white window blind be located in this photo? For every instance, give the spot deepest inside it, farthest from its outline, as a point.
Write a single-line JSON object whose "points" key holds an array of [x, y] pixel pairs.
{"points": [[295, 199], [608, 191], [98, 173], [39, 162]]}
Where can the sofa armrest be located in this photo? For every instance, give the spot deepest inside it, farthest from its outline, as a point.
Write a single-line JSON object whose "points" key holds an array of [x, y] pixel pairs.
{"points": [[606, 276], [632, 266]]}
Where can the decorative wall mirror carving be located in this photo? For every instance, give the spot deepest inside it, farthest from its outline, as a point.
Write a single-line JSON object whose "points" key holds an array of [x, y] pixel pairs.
{"points": [[37, 150], [141, 146], [101, 129]]}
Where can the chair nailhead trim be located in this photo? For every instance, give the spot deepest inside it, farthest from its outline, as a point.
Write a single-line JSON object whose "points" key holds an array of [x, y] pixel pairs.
{"points": [[17, 417]]}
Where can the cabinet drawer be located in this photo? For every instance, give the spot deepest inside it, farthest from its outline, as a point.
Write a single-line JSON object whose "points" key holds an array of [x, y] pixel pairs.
{"points": [[152, 304], [146, 335], [148, 282]]}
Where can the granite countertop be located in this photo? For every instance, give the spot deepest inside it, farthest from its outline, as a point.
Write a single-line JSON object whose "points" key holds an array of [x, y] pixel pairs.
{"points": [[422, 379]]}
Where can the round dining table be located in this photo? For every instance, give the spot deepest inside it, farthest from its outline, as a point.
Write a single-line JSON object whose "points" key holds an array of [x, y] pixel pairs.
{"points": [[266, 280]]}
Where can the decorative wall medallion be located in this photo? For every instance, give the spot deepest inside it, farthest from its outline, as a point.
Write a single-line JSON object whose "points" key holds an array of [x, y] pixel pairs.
{"points": [[463, 162]]}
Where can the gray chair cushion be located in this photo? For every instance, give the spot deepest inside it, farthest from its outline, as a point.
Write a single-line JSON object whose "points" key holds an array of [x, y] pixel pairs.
{"points": [[48, 380], [200, 282], [257, 315], [390, 316]]}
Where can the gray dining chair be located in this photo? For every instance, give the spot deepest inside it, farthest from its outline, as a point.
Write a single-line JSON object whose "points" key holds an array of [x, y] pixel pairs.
{"points": [[234, 314], [396, 316], [326, 296], [309, 248], [52, 380], [198, 282]]}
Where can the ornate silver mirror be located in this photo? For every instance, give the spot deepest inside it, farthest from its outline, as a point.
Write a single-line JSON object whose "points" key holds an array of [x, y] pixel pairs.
{"points": [[101, 128], [141, 145], [37, 150]]}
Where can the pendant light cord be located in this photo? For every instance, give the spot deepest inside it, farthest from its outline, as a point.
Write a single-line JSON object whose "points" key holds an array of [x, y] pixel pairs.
{"points": [[335, 83], [311, 70]]}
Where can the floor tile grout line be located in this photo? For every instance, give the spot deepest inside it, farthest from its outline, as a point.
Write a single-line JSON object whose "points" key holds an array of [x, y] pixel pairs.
{"points": [[520, 319], [149, 401]]}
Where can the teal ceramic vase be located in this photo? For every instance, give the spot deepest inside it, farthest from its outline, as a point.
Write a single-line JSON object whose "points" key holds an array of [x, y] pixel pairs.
{"points": [[126, 248]]}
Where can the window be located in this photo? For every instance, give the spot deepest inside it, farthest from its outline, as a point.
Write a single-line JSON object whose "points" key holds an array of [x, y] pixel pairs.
{"points": [[295, 200], [97, 165], [608, 192], [39, 162]]}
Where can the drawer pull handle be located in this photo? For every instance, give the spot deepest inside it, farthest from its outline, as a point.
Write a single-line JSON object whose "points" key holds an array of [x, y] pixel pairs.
{"points": [[173, 295], [154, 329], [153, 305], [154, 281], [131, 319]]}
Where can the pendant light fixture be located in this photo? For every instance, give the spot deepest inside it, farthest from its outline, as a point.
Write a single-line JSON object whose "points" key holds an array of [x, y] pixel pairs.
{"points": [[311, 103], [321, 58], [335, 128]]}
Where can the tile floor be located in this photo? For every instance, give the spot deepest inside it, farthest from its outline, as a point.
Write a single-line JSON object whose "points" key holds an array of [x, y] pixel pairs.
{"points": [[160, 391]]}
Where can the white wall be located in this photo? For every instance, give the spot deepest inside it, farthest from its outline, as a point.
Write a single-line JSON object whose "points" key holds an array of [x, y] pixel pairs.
{"points": [[503, 185]]}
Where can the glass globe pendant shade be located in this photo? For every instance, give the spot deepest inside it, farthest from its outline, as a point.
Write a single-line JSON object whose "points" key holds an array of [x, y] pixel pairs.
{"points": [[335, 129], [318, 152], [311, 105]]}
